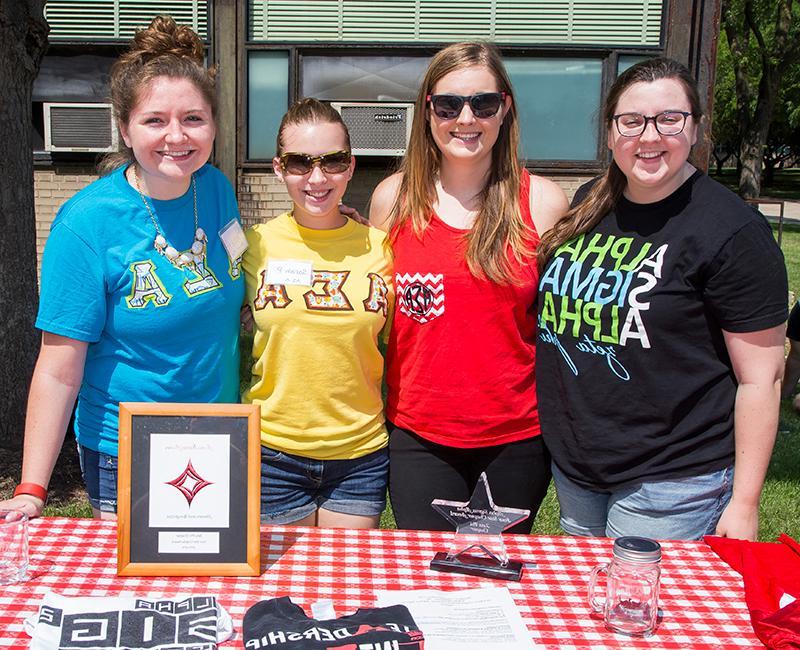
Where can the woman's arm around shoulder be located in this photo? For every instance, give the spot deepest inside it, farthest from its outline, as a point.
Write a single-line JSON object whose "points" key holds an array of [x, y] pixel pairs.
{"points": [[548, 203], [757, 359], [383, 198]]}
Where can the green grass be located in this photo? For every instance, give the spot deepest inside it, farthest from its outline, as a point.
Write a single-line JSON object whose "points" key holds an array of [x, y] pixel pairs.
{"points": [[780, 501], [780, 504], [546, 522], [785, 186], [790, 245], [78, 507]]}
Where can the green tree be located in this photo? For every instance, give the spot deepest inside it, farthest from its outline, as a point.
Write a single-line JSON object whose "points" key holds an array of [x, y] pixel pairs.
{"points": [[725, 134], [23, 39], [783, 141], [764, 41]]}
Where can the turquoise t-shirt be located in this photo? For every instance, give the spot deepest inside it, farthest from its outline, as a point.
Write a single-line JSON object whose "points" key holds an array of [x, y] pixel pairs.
{"points": [[156, 333]]}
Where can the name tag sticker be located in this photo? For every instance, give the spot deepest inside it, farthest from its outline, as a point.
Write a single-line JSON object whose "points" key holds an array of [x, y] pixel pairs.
{"points": [[233, 239], [290, 272]]}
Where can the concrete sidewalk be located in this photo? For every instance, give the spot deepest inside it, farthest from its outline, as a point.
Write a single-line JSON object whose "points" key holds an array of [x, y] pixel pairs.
{"points": [[791, 210]]}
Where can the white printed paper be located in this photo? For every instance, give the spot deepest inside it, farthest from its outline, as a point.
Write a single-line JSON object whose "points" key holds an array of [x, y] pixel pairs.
{"points": [[472, 619], [188, 541], [290, 272], [233, 239], [189, 481]]}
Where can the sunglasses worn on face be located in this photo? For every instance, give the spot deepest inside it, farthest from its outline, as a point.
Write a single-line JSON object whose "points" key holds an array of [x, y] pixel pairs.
{"points": [[299, 164], [482, 105]]}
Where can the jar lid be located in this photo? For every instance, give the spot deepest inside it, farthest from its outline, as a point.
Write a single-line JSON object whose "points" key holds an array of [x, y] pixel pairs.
{"points": [[637, 549]]}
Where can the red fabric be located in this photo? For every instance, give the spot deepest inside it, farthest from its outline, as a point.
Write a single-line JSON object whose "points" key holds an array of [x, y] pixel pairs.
{"points": [[460, 362], [769, 570]]}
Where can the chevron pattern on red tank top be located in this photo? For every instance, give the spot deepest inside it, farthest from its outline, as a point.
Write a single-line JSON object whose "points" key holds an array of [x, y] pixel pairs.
{"points": [[420, 296]]}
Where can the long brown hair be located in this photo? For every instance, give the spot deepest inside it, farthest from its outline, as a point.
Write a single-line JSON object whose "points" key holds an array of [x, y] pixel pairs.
{"points": [[608, 189], [164, 49], [499, 228]]}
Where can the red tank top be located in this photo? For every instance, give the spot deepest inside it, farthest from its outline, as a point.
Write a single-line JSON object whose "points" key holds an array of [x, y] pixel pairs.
{"points": [[460, 361]]}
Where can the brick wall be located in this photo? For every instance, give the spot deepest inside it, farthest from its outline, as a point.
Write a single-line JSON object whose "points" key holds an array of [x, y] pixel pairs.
{"points": [[570, 183], [261, 195], [51, 187]]}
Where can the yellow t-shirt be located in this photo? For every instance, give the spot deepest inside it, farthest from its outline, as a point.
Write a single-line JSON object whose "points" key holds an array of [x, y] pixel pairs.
{"points": [[320, 299]]}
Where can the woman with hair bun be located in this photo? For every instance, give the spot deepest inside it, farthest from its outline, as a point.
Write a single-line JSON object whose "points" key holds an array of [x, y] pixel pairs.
{"points": [[663, 298], [140, 298], [464, 218]]}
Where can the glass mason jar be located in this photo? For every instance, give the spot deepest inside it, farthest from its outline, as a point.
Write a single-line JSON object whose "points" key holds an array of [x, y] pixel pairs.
{"points": [[631, 602]]}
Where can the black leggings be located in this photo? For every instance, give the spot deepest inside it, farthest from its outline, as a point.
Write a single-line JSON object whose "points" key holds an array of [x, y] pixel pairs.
{"points": [[421, 471]]}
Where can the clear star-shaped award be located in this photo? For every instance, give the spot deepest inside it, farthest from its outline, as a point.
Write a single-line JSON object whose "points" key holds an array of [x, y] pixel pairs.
{"points": [[478, 547]]}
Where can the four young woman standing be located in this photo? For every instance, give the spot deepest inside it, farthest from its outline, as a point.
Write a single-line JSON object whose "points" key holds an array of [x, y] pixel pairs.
{"points": [[659, 346]]}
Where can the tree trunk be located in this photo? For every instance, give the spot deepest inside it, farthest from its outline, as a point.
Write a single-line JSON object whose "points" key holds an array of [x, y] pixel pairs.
{"points": [[751, 158], [755, 139], [23, 39]]}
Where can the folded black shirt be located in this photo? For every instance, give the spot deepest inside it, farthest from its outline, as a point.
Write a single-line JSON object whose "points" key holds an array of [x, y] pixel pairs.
{"points": [[279, 623]]}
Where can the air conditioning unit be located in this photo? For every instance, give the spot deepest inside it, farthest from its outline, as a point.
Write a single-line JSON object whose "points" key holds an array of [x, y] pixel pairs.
{"points": [[377, 129], [79, 127]]}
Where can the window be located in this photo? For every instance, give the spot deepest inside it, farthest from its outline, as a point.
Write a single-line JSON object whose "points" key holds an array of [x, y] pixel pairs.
{"points": [[557, 101], [612, 22], [267, 100], [625, 61], [118, 19], [362, 78]]}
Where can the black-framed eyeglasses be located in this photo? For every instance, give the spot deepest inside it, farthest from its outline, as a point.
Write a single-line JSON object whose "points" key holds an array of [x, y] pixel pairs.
{"points": [[299, 164], [631, 125], [482, 105]]}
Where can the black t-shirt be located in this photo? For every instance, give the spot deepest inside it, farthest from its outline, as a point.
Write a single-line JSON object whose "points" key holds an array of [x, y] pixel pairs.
{"points": [[280, 624], [634, 380], [793, 324]]}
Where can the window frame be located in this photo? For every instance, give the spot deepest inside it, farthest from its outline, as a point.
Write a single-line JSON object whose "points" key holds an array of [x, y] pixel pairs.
{"points": [[608, 57]]}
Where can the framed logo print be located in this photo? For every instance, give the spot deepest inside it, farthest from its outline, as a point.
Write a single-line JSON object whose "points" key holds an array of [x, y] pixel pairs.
{"points": [[189, 489]]}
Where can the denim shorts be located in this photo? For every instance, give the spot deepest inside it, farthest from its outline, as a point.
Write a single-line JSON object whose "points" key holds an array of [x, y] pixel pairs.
{"points": [[99, 472], [683, 508], [292, 487]]}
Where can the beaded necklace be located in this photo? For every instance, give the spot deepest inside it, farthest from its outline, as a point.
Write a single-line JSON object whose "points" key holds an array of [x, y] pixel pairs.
{"points": [[161, 244]]}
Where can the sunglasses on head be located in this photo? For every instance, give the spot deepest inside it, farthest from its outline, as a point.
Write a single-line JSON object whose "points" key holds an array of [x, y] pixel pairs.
{"points": [[482, 105], [299, 164]]}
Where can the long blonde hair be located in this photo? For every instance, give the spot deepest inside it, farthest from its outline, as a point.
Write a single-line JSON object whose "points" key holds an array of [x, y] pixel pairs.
{"points": [[607, 190], [499, 230], [164, 49]]}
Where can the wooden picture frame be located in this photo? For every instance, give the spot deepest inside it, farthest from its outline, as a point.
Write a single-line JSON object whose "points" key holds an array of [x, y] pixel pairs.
{"points": [[189, 489]]}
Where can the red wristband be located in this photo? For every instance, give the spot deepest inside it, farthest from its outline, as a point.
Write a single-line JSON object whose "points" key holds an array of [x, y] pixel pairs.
{"points": [[33, 489]]}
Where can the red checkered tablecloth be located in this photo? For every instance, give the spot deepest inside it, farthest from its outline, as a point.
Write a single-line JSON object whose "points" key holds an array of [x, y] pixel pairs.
{"points": [[701, 597]]}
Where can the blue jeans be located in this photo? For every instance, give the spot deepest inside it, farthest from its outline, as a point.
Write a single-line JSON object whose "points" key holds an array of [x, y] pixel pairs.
{"points": [[99, 472], [292, 487], [683, 508]]}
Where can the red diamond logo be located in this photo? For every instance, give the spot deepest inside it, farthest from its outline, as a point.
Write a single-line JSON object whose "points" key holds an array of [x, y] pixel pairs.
{"points": [[189, 483]]}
